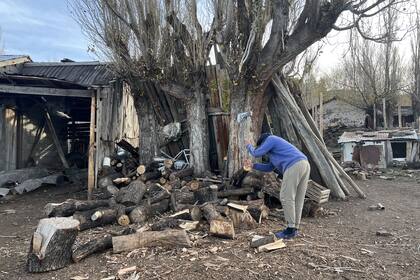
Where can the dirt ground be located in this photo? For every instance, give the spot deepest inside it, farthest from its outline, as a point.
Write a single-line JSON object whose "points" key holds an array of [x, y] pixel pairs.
{"points": [[340, 245]]}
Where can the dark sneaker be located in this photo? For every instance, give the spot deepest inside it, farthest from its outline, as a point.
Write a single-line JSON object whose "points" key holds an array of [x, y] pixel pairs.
{"points": [[286, 235]]}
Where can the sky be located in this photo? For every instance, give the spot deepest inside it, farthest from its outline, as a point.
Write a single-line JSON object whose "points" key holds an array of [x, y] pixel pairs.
{"points": [[45, 30], [42, 29]]}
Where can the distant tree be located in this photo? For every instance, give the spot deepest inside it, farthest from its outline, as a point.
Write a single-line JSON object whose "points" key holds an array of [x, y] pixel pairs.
{"points": [[415, 67], [373, 70]]}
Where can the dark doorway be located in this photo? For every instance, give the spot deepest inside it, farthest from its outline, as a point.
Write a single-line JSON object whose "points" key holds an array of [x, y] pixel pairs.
{"points": [[399, 149]]}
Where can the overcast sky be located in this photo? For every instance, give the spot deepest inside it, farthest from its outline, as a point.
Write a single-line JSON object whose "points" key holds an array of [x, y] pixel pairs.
{"points": [[45, 30], [42, 29]]}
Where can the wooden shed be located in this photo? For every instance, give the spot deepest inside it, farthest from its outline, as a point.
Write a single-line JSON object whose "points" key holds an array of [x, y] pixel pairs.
{"points": [[65, 113]]}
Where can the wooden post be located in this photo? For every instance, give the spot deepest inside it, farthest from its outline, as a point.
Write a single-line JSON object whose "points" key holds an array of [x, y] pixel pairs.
{"points": [[91, 164], [55, 139], [399, 116], [384, 113], [321, 114], [374, 116]]}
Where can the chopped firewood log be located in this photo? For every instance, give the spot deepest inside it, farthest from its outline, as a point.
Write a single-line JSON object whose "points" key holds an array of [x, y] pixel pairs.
{"points": [[239, 176], [119, 166], [50, 247], [161, 195], [162, 181], [132, 194], [166, 173], [238, 207], [191, 213], [150, 175], [207, 194], [113, 190], [194, 185], [241, 219], [97, 245], [172, 223], [182, 173], [175, 184], [166, 238], [311, 209], [258, 212], [179, 197], [168, 163], [142, 213], [122, 181], [272, 246], [68, 207], [152, 166], [219, 226], [86, 222], [141, 169], [235, 192], [259, 240], [108, 180], [181, 215], [256, 208]]}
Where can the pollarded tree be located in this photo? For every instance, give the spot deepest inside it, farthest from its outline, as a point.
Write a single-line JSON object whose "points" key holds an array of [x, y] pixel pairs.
{"points": [[164, 44], [257, 39]]}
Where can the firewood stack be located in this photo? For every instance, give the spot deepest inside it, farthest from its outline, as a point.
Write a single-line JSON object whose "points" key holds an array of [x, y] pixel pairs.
{"points": [[164, 204]]}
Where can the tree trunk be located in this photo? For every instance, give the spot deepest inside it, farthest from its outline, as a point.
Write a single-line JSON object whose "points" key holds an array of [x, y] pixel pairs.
{"points": [[199, 136], [242, 126], [148, 126]]}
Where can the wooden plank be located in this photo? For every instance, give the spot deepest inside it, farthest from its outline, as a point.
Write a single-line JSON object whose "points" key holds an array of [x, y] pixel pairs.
{"points": [[45, 91], [55, 139], [91, 161]]}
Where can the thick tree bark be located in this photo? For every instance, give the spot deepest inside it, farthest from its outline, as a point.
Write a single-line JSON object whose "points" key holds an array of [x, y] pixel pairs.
{"points": [[245, 98], [199, 137], [148, 126], [50, 247]]}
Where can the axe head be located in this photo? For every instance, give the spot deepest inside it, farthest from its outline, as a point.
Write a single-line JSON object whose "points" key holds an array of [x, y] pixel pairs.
{"points": [[243, 116]]}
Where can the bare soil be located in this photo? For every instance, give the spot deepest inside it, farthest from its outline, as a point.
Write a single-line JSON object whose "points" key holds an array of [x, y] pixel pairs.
{"points": [[340, 245]]}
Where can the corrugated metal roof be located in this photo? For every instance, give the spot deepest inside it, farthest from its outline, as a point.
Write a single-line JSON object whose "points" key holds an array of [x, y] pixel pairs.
{"points": [[82, 73], [359, 136]]}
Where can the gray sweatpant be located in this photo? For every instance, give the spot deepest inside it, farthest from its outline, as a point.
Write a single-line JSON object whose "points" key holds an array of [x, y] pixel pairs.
{"points": [[292, 193]]}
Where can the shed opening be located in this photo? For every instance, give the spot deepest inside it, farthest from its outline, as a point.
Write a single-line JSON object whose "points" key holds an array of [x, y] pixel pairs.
{"points": [[399, 150]]}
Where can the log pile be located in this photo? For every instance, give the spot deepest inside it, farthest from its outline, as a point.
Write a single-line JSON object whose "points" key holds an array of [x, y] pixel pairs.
{"points": [[159, 207]]}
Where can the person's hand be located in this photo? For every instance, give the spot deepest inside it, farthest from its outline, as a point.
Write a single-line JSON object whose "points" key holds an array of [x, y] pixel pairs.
{"points": [[248, 142], [248, 164]]}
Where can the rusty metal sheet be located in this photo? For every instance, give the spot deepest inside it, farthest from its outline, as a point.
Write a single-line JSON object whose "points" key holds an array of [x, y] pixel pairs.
{"points": [[371, 156]]}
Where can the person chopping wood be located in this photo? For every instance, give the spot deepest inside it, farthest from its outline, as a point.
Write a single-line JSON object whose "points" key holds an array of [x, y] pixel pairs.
{"points": [[293, 164]]}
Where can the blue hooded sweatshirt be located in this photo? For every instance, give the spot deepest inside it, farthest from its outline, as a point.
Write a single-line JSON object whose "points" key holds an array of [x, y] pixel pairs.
{"points": [[282, 154]]}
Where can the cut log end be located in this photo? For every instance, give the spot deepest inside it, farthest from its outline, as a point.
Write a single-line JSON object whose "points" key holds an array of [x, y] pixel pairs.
{"points": [[51, 244]]}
